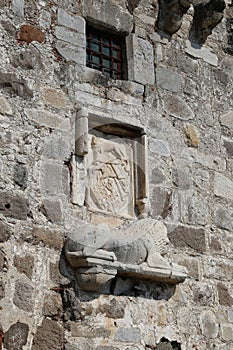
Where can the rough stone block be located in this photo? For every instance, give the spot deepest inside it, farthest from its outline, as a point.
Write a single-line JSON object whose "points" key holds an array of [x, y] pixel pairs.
{"points": [[157, 176], [114, 309], [70, 36], [55, 98], [208, 324], [226, 119], [46, 118], [223, 187], [78, 330], [202, 52], [5, 106], [16, 336], [140, 58], [50, 335], [223, 217], [227, 331], [53, 210], [23, 296], [24, 264], [20, 175], [76, 23], [105, 13], [178, 108], [191, 134], [14, 206], [159, 147], [29, 33], [51, 178], [168, 79], [5, 232], [57, 147], [52, 305], [18, 7], [188, 237], [52, 239], [224, 296], [71, 53], [160, 202], [128, 335]]}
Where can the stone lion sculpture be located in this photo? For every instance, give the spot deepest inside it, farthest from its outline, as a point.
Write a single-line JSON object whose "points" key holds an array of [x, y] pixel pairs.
{"points": [[140, 242]]}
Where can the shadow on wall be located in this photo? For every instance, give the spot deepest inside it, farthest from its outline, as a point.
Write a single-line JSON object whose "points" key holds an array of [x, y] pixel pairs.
{"points": [[206, 17], [119, 286], [165, 344]]}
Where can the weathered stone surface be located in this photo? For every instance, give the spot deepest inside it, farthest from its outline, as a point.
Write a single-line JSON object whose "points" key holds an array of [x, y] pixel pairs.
{"points": [[128, 335], [76, 23], [53, 210], [5, 232], [177, 107], [21, 175], [224, 296], [113, 309], [223, 187], [188, 237], [50, 335], [16, 336], [140, 59], [168, 79], [192, 266], [14, 206], [208, 324], [29, 33], [204, 295], [23, 296], [77, 330], [24, 264], [105, 14], [181, 176], [5, 106], [191, 134], [52, 239]]}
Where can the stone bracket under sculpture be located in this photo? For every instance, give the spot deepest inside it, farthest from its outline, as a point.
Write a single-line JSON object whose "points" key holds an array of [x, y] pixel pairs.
{"points": [[134, 251]]}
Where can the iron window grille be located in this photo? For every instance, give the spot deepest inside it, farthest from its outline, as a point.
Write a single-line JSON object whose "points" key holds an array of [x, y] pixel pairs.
{"points": [[104, 52]]}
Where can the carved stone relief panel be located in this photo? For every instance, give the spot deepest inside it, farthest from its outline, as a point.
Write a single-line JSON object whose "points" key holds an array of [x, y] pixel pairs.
{"points": [[109, 167]]}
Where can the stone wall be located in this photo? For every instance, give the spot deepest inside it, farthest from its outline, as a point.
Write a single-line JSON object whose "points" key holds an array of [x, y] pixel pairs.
{"points": [[181, 92]]}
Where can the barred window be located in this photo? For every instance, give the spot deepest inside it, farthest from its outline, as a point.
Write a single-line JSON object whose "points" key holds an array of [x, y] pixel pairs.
{"points": [[105, 53]]}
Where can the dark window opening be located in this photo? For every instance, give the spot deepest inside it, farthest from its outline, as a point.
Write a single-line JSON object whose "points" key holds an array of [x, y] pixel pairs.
{"points": [[105, 52]]}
